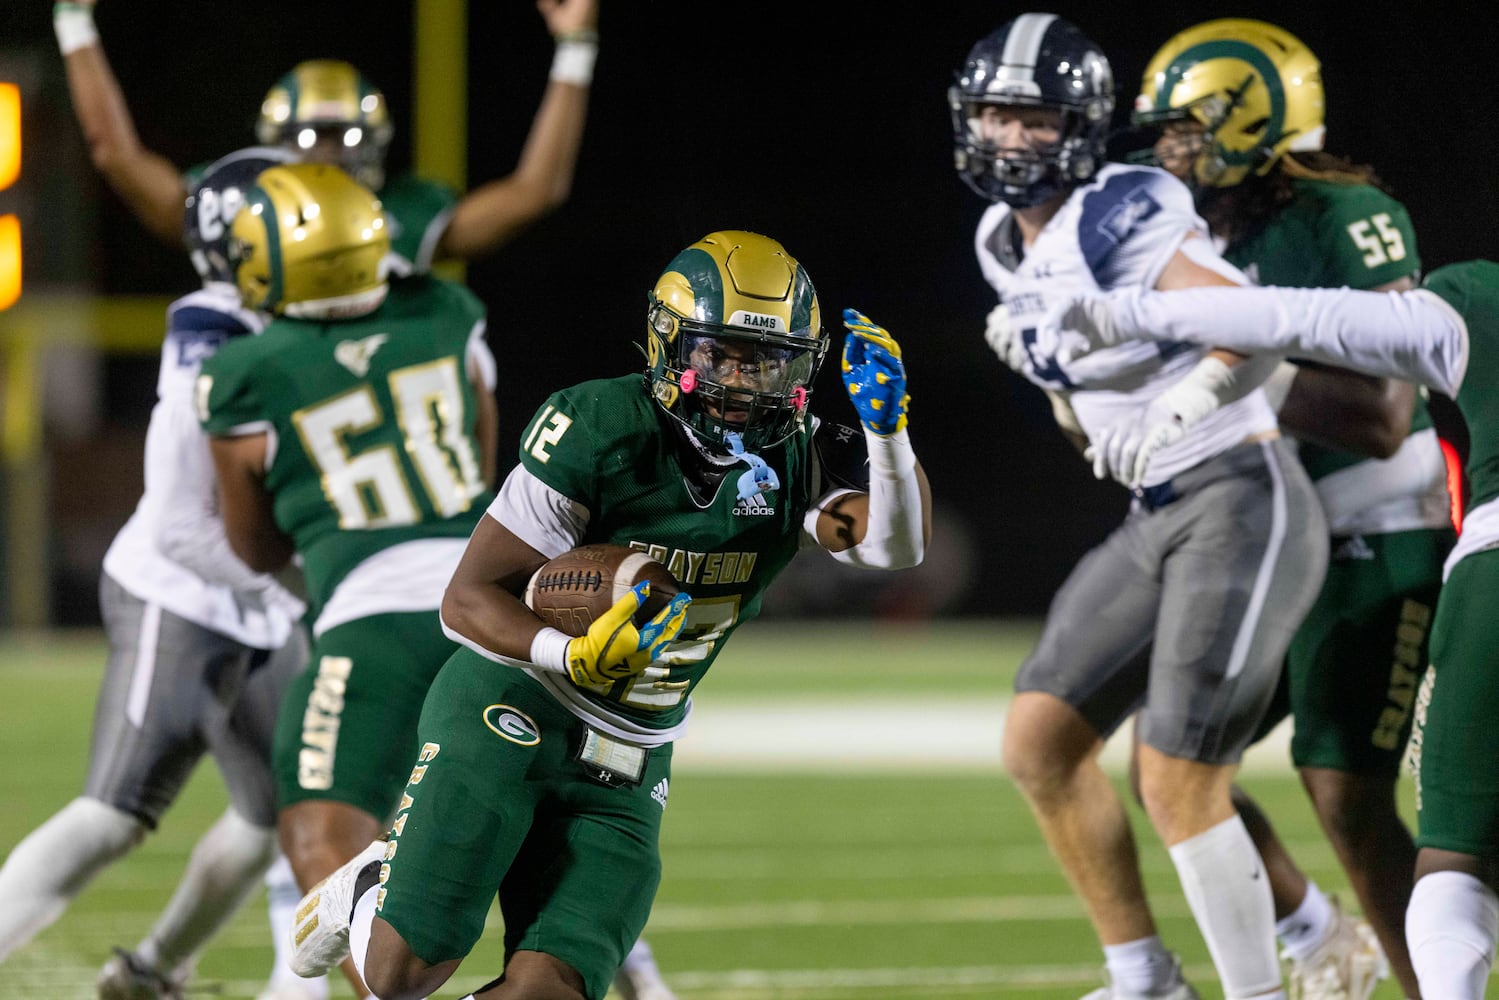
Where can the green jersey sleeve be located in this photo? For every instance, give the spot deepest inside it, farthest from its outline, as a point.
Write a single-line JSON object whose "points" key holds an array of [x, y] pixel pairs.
{"points": [[559, 446], [419, 211], [229, 397], [1472, 288]]}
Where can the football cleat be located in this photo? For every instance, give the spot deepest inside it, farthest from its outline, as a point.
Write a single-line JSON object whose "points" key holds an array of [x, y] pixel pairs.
{"points": [[1179, 989], [320, 926], [1345, 966], [127, 976]]}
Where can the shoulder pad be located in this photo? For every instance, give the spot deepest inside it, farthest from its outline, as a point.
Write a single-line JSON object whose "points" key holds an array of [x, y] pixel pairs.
{"points": [[842, 457]]}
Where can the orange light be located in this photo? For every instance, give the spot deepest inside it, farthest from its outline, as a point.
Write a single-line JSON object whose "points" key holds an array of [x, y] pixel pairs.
{"points": [[1455, 483], [10, 169], [10, 134], [10, 260]]}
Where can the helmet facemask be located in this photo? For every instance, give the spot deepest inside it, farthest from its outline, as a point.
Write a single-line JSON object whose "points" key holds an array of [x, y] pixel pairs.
{"points": [[1023, 177], [718, 379]]}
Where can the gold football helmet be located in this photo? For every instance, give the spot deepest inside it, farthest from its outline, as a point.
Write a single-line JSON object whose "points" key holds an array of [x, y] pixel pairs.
{"points": [[734, 338], [1255, 89], [310, 242], [327, 111]]}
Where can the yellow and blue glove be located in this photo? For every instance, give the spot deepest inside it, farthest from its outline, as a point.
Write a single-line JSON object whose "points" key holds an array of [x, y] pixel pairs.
{"points": [[874, 375], [613, 648]]}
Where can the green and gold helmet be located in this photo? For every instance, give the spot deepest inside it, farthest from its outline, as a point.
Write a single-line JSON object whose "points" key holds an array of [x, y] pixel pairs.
{"points": [[734, 339], [1255, 89], [326, 110], [310, 242]]}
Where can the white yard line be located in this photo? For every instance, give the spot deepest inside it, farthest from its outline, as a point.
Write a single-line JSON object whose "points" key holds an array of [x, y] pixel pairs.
{"points": [[879, 734]]}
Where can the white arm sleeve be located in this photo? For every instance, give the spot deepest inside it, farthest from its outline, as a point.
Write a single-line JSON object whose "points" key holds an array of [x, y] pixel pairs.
{"points": [[893, 536], [188, 529], [1415, 336], [538, 515]]}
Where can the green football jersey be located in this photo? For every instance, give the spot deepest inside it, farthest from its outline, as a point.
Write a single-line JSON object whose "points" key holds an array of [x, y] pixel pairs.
{"points": [[418, 212], [1472, 288], [373, 421], [1329, 236], [605, 445]]}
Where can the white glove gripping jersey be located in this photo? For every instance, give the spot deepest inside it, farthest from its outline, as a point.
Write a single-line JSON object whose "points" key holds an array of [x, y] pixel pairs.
{"points": [[1119, 230], [173, 551]]}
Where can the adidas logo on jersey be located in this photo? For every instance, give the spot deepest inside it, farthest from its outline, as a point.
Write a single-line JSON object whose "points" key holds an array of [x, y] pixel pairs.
{"points": [[755, 506], [659, 792]]}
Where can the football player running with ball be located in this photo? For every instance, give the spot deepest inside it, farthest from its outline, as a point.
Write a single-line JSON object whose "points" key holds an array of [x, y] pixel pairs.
{"points": [[357, 432], [713, 465], [1185, 611], [1444, 336]]}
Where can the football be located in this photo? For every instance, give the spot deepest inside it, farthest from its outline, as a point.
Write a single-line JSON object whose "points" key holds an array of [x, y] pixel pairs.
{"points": [[574, 589]]}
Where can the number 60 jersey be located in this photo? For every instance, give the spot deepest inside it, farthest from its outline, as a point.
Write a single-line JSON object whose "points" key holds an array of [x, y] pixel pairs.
{"points": [[371, 426]]}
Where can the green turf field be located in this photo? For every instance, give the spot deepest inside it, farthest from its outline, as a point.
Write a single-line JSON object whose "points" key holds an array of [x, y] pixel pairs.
{"points": [[856, 875]]}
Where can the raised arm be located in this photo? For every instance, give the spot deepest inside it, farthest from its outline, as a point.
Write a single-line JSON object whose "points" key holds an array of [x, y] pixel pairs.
{"points": [[149, 184], [890, 526], [494, 213]]}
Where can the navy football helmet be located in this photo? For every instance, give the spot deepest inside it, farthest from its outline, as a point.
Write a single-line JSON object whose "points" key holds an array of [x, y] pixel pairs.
{"points": [[1037, 61], [214, 197]]}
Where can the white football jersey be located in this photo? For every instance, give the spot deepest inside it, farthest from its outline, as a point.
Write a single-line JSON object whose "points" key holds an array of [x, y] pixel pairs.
{"points": [[1120, 229], [179, 498]]}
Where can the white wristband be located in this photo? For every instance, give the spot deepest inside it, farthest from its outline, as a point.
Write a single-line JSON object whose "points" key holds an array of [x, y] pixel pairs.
{"points": [[549, 649], [573, 62], [74, 24]]}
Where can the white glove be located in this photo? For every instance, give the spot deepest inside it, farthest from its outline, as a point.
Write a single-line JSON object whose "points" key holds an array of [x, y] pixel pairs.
{"points": [[1004, 339], [1123, 450]]}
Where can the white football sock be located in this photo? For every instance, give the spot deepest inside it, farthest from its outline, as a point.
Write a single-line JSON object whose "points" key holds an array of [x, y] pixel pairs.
{"points": [[1304, 931], [226, 864], [1229, 893], [1140, 967], [55, 861], [1452, 924], [281, 897]]}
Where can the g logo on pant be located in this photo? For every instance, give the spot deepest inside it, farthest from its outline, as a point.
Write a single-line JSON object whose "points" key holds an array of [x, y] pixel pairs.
{"points": [[512, 724]]}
